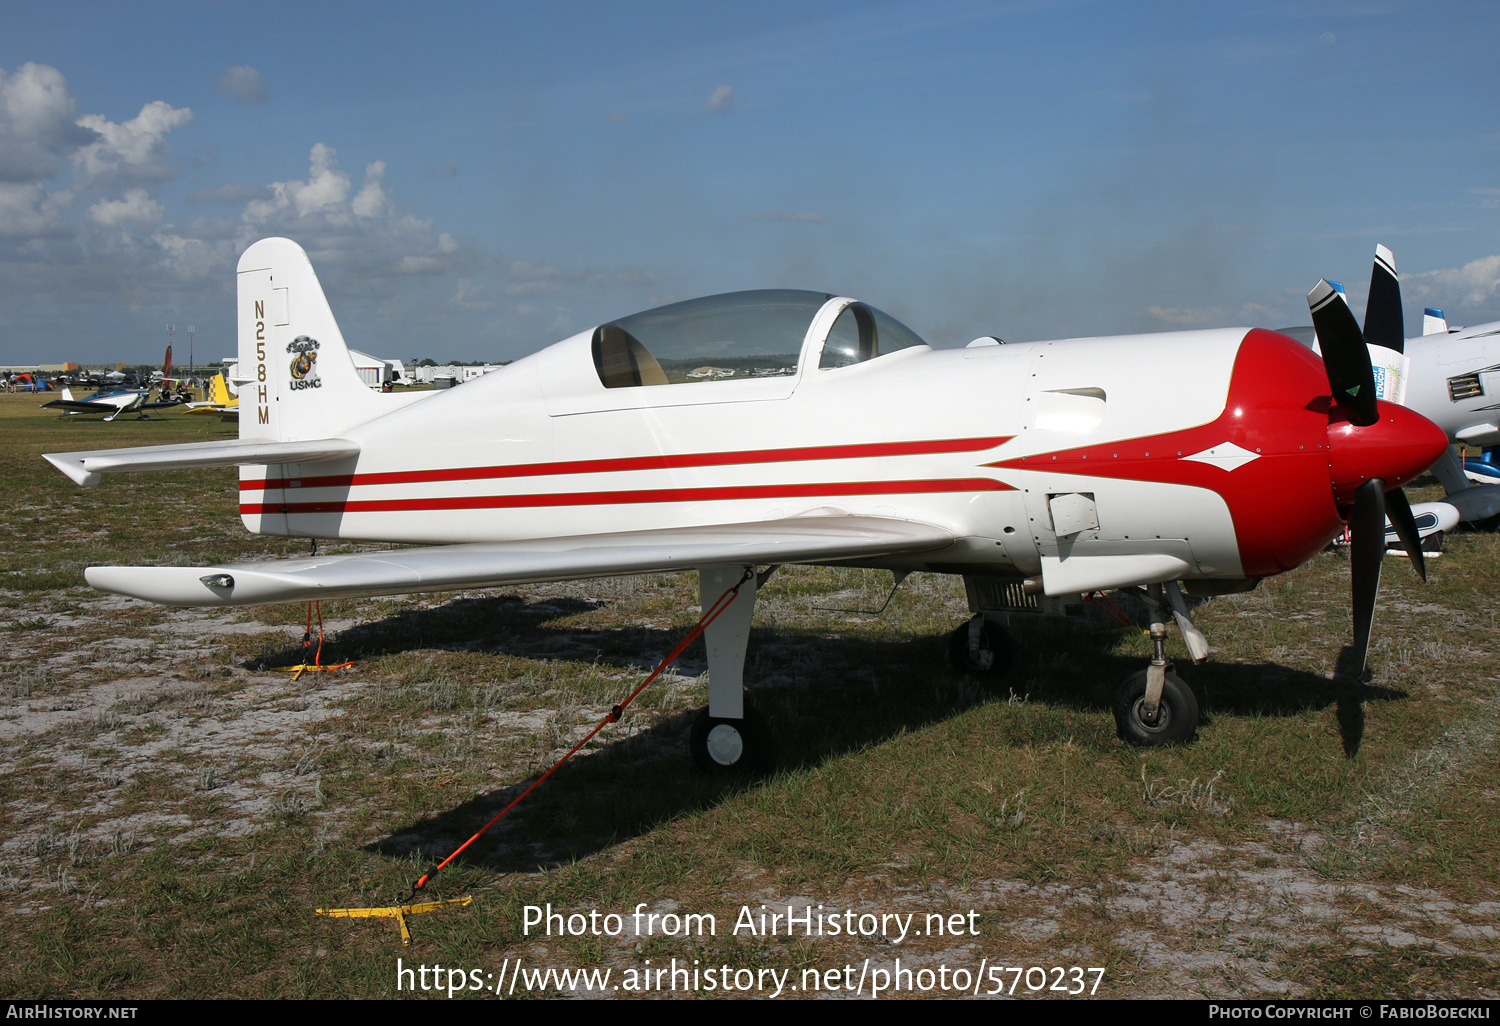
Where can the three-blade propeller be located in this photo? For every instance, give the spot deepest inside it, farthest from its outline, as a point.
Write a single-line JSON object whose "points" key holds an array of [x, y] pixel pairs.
{"points": [[1352, 380]]}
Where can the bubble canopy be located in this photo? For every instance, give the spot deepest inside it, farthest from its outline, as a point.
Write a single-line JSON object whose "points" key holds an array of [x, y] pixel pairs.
{"points": [[739, 335]]}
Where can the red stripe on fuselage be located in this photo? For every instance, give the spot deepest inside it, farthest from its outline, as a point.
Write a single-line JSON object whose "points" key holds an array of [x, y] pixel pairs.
{"points": [[1282, 501], [831, 488], [663, 462]]}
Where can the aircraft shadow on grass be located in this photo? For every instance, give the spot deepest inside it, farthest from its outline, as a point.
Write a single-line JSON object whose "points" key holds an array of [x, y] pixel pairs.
{"points": [[629, 785]]}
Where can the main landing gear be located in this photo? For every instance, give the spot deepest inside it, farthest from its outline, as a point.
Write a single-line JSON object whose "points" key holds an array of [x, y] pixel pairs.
{"points": [[980, 648], [730, 735], [722, 745]]}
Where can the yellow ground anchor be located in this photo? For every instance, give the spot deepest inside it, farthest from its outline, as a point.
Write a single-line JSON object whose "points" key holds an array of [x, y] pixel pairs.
{"points": [[396, 912], [301, 668], [316, 666]]}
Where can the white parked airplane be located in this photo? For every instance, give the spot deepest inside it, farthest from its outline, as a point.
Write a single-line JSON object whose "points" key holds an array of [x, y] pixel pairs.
{"points": [[1450, 376], [830, 433], [109, 401]]}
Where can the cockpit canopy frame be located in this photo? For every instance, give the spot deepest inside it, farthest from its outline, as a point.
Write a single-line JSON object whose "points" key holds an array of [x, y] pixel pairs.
{"points": [[766, 333]]}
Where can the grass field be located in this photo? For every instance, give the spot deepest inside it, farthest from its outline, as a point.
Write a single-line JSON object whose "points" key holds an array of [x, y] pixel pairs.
{"points": [[173, 808]]}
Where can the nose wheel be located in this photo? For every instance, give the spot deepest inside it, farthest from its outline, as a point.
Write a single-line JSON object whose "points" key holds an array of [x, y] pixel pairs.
{"points": [[1172, 718], [723, 745]]}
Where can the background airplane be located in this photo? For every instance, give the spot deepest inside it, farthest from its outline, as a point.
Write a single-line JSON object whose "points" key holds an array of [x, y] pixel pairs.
{"points": [[220, 403], [1450, 376], [112, 401], [837, 437], [109, 401]]}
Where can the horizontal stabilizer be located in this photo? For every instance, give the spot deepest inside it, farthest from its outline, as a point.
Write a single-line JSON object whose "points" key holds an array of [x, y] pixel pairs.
{"points": [[85, 467], [819, 539]]}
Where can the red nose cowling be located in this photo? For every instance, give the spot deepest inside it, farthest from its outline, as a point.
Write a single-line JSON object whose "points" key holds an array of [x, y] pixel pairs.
{"points": [[1396, 448], [1296, 467], [1287, 507], [1282, 388]]}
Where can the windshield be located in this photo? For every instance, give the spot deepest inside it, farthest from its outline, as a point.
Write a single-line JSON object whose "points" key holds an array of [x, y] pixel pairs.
{"points": [[862, 333], [737, 335]]}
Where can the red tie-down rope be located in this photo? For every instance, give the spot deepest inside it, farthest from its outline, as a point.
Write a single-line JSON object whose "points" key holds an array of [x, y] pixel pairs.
{"points": [[708, 617], [1101, 600], [317, 664]]}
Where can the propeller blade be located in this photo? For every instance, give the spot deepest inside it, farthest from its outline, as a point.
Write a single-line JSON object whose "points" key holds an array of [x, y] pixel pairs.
{"points": [[1345, 356], [1366, 554], [1385, 325], [1398, 511]]}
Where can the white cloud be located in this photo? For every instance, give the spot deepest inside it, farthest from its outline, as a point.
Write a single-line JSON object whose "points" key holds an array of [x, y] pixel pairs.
{"points": [[135, 208], [37, 128], [419, 265], [186, 259], [134, 149], [123, 245], [245, 84], [356, 235], [230, 194], [1473, 287], [27, 211], [470, 296], [722, 100], [326, 187], [371, 199]]}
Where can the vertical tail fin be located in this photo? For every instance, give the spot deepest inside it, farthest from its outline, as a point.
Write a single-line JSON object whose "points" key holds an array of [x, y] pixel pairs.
{"points": [[303, 383]]}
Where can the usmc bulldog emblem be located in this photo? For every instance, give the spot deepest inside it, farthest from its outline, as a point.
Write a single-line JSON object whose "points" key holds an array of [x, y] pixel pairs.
{"points": [[304, 363]]}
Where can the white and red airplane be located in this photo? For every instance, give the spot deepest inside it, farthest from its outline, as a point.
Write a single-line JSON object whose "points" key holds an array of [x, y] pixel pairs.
{"points": [[761, 428]]}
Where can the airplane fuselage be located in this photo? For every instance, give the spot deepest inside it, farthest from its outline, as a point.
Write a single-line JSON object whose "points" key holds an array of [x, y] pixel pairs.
{"points": [[1181, 455], [1454, 381]]}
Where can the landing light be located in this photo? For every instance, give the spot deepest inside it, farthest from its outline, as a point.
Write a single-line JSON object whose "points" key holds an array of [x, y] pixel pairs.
{"points": [[218, 580]]}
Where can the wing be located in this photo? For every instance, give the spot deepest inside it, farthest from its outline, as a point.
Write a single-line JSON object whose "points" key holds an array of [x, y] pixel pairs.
{"points": [[805, 539], [80, 406]]}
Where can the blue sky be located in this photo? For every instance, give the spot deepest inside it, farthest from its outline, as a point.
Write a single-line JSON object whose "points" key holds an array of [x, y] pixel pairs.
{"points": [[475, 181]]}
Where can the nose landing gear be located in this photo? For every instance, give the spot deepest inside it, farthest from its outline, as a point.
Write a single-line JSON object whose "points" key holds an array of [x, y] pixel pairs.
{"points": [[1154, 707]]}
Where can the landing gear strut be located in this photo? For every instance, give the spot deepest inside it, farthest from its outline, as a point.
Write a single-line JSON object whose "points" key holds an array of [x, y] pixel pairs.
{"points": [[1154, 707], [980, 647], [730, 735]]}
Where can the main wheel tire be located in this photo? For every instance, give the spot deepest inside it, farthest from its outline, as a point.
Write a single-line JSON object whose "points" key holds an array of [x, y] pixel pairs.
{"points": [[722, 745], [1176, 714], [990, 657]]}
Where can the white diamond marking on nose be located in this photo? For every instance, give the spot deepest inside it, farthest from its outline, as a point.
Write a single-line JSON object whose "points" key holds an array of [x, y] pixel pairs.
{"points": [[1226, 456]]}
